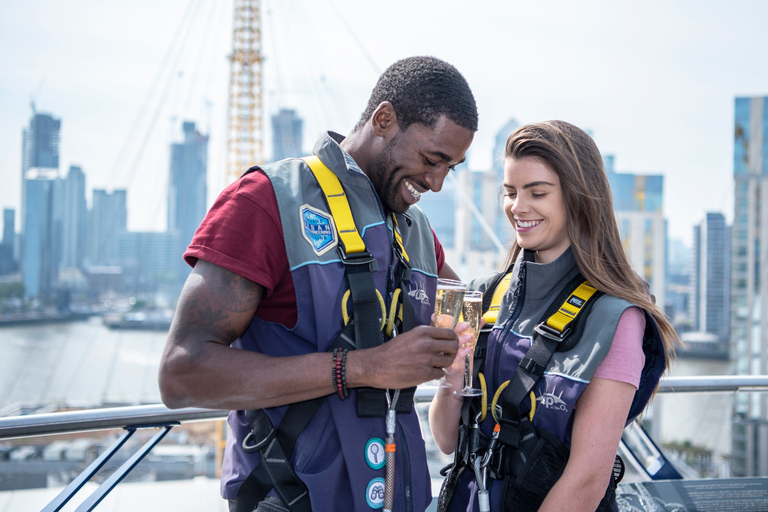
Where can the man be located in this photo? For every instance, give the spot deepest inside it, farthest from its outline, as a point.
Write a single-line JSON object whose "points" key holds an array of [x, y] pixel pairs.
{"points": [[272, 277]]}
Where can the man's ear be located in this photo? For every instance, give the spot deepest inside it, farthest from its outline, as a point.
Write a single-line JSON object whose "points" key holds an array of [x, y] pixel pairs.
{"points": [[384, 120]]}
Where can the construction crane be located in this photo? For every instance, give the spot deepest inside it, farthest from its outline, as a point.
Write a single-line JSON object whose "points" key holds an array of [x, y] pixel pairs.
{"points": [[245, 128]]}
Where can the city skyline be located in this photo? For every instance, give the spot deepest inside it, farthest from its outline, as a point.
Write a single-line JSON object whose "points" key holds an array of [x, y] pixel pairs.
{"points": [[659, 98]]}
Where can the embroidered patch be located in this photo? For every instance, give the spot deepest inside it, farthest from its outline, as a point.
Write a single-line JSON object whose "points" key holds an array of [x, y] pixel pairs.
{"points": [[374, 494], [374, 453], [318, 229]]}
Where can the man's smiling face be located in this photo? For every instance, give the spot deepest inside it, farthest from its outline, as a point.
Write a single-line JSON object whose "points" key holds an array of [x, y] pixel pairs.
{"points": [[417, 160]]}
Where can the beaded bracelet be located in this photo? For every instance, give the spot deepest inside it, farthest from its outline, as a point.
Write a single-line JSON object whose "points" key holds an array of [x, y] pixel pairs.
{"points": [[333, 367], [339, 372], [344, 373]]}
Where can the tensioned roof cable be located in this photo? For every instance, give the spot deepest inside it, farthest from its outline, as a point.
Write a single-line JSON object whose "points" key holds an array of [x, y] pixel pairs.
{"points": [[199, 57], [163, 95], [150, 93]]}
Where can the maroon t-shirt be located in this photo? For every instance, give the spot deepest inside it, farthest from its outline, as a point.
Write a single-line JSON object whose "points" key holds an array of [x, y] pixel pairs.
{"points": [[242, 233]]}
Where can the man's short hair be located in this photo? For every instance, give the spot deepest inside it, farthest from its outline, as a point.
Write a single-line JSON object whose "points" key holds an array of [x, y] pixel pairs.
{"points": [[422, 89]]}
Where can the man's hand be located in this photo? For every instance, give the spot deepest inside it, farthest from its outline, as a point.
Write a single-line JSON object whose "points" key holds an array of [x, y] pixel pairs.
{"points": [[412, 358]]}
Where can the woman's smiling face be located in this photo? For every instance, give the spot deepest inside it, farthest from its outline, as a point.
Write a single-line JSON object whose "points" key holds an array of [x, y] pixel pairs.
{"points": [[534, 204]]}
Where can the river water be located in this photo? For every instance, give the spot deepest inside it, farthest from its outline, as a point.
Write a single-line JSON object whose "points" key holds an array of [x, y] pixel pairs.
{"points": [[78, 364], [86, 364]]}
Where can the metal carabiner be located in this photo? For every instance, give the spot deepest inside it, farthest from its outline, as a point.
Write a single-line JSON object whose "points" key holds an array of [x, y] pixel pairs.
{"points": [[481, 473]]}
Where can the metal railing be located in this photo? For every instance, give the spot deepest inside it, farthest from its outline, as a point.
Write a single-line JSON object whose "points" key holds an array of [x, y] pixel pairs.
{"points": [[158, 416], [34, 425]]}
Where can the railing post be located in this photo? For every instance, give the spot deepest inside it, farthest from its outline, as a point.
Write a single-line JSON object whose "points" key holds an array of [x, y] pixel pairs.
{"points": [[76, 484], [99, 494]]}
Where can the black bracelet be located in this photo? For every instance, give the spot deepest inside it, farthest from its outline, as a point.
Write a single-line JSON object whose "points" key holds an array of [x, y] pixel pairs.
{"points": [[344, 373]]}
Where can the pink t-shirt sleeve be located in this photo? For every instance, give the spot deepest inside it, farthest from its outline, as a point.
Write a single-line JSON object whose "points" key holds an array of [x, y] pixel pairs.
{"points": [[625, 359]]}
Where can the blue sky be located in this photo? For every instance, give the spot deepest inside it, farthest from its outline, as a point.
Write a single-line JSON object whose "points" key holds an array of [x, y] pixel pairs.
{"points": [[653, 81]]}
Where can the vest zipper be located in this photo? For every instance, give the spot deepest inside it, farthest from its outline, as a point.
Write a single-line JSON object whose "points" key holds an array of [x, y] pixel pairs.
{"points": [[390, 268], [407, 493], [519, 296]]}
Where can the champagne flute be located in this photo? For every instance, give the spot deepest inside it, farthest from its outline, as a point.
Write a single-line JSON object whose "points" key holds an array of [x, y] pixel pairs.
{"points": [[471, 311], [449, 298]]}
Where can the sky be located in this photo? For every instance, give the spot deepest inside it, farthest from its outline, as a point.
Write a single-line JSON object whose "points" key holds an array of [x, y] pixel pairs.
{"points": [[654, 82]]}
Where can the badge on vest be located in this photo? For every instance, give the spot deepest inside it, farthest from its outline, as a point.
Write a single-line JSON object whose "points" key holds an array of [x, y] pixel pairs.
{"points": [[318, 229], [374, 494], [374, 453]]}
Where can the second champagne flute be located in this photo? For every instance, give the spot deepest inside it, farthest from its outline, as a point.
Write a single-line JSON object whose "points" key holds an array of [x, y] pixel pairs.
{"points": [[448, 302], [471, 311]]}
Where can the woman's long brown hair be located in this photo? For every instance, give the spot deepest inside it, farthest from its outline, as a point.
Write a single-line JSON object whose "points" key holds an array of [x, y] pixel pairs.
{"points": [[592, 228]]}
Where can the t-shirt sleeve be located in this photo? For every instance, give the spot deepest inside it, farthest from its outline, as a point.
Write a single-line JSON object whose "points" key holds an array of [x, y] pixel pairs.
{"points": [[625, 359], [439, 253], [234, 232]]}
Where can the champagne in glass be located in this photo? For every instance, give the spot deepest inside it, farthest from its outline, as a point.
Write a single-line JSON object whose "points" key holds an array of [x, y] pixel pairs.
{"points": [[471, 311], [448, 303]]}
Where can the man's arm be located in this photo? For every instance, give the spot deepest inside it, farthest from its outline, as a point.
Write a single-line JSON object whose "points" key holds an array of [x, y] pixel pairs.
{"points": [[198, 368], [447, 273]]}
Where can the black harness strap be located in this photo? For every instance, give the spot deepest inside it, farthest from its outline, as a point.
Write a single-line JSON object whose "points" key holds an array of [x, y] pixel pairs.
{"points": [[367, 312]]}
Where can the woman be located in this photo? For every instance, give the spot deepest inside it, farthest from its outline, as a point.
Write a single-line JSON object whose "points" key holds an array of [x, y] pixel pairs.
{"points": [[557, 197]]}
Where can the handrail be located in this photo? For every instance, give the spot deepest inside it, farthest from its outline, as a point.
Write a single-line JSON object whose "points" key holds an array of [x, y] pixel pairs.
{"points": [[33, 425]]}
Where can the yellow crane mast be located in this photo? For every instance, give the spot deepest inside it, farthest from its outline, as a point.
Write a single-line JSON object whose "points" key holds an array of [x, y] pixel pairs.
{"points": [[245, 128]]}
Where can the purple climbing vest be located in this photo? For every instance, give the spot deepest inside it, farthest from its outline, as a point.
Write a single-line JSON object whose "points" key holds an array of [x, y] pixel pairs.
{"points": [[532, 289], [338, 456]]}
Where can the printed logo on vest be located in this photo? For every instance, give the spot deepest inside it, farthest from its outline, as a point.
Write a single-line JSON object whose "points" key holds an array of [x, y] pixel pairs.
{"points": [[374, 494], [576, 301], [549, 400], [419, 295], [318, 229]]}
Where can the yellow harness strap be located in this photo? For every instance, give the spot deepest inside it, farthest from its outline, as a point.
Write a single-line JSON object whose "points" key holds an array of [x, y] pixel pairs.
{"points": [[492, 314], [399, 239], [338, 204], [571, 307], [350, 237]]}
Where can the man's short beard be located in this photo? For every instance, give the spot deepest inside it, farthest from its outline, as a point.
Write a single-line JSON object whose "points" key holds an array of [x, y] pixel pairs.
{"points": [[381, 173]]}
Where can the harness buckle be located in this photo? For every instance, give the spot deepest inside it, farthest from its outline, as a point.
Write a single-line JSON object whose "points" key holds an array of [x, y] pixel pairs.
{"points": [[551, 333], [356, 260]]}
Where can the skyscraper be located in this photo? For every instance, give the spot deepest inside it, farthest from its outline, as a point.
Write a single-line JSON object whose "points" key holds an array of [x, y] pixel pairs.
{"points": [[637, 201], [40, 149], [492, 210], [8, 243], [109, 219], [187, 191], [710, 277], [39, 263], [749, 282], [441, 210], [287, 129], [70, 212]]}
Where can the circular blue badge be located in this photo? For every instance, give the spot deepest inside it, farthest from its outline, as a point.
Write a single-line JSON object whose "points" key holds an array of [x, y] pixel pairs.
{"points": [[374, 453], [374, 494]]}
